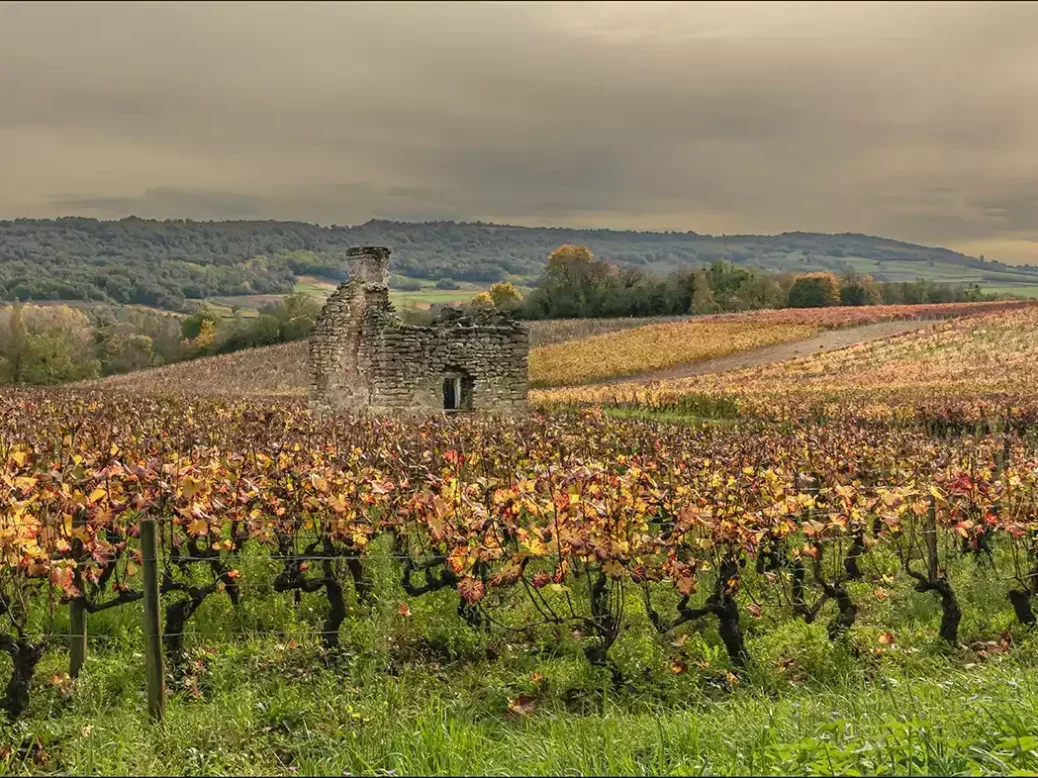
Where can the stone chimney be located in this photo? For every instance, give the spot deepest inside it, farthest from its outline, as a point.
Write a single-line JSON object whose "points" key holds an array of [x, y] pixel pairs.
{"points": [[369, 265]]}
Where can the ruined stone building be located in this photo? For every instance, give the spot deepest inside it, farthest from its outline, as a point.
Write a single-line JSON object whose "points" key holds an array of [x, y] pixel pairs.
{"points": [[362, 357]]}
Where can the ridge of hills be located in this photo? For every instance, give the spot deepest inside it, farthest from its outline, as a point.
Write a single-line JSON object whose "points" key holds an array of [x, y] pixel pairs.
{"points": [[166, 263]]}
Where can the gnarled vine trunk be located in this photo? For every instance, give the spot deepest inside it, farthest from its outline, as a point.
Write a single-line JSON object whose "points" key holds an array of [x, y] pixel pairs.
{"points": [[25, 655]]}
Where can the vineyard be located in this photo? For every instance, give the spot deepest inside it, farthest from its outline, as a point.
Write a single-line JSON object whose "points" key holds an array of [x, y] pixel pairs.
{"points": [[959, 372], [651, 348], [488, 595], [563, 352], [656, 346]]}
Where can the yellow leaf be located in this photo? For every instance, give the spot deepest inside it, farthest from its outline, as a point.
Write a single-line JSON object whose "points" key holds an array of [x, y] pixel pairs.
{"points": [[191, 487], [198, 527]]}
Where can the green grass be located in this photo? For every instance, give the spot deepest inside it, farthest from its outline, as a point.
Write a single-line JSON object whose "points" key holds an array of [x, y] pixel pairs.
{"points": [[714, 415], [266, 709], [425, 694], [1022, 291], [991, 280], [430, 295], [423, 298]]}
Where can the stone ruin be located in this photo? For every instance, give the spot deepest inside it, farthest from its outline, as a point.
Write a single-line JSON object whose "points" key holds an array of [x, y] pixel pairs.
{"points": [[363, 358]]}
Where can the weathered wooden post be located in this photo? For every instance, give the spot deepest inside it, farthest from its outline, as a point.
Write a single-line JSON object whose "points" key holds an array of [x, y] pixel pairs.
{"points": [[152, 622]]}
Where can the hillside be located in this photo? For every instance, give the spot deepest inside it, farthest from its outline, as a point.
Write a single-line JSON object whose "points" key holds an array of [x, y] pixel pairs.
{"points": [[165, 263], [575, 351]]}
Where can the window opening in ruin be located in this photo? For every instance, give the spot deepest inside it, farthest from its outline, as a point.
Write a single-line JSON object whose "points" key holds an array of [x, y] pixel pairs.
{"points": [[458, 389], [452, 393]]}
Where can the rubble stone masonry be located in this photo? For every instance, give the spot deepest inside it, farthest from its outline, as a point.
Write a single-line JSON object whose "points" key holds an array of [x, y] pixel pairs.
{"points": [[362, 358]]}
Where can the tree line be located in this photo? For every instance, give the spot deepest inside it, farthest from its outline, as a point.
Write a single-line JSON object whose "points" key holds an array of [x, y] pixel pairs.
{"points": [[54, 344], [576, 284]]}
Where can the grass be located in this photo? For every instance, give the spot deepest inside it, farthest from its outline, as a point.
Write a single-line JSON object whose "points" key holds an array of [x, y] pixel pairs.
{"points": [[423, 694], [1020, 291], [423, 298], [994, 280], [942, 720], [693, 410]]}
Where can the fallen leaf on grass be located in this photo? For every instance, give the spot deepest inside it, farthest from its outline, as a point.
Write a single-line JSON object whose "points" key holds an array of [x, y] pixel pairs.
{"points": [[523, 705]]}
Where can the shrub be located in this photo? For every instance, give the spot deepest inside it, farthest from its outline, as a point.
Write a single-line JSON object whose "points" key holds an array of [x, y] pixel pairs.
{"points": [[505, 296], [815, 290], [859, 290]]}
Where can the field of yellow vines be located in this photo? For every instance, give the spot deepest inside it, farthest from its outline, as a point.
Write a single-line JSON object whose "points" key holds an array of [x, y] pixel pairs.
{"points": [[653, 347], [970, 360], [661, 345]]}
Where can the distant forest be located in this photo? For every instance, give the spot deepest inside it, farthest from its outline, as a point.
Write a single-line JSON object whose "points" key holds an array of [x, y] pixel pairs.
{"points": [[167, 263]]}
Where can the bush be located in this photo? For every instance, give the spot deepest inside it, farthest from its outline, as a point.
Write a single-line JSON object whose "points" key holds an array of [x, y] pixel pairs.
{"points": [[859, 290], [448, 284], [815, 290], [505, 296]]}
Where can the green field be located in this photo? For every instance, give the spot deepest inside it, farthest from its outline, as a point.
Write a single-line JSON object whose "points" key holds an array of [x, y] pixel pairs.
{"points": [[249, 305], [992, 280], [428, 295]]}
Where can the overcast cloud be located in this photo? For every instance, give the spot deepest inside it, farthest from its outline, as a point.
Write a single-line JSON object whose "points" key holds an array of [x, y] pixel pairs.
{"points": [[913, 121]]}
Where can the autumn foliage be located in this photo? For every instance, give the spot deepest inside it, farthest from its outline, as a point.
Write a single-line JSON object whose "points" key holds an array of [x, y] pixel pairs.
{"points": [[839, 479], [560, 522]]}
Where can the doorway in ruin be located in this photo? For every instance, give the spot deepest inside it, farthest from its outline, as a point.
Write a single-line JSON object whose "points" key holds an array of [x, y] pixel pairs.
{"points": [[458, 389]]}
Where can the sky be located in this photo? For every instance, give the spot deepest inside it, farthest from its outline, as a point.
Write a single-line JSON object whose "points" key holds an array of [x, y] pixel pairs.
{"points": [[916, 121]]}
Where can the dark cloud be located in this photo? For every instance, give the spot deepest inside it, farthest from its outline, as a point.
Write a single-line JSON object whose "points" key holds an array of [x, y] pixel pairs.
{"points": [[913, 120], [329, 205]]}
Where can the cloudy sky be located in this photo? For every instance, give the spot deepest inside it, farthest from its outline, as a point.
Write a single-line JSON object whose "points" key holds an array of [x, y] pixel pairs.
{"points": [[913, 121]]}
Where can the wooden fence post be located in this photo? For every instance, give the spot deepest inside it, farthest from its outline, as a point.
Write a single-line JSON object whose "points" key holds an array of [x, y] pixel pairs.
{"points": [[78, 623], [152, 622]]}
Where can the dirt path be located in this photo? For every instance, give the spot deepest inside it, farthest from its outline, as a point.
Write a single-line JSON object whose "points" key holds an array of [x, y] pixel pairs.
{"points": [[828, 341]]}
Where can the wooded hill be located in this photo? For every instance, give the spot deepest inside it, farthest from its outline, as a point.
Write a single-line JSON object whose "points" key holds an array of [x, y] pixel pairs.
{"points": [[166, 263]]}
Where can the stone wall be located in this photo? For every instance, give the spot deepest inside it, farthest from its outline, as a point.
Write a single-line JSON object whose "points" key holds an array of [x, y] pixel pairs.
{"points": [[363, 358]]}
